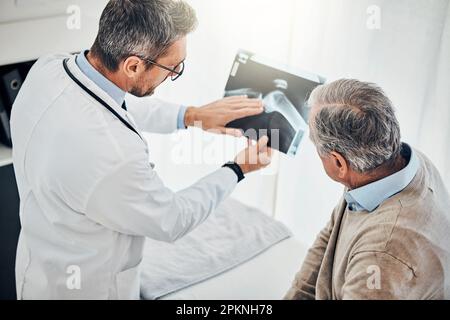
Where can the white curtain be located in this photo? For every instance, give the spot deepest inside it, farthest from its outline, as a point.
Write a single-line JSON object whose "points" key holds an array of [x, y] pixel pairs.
{"points": [[407, 52], [402, 45], [224, 26]]}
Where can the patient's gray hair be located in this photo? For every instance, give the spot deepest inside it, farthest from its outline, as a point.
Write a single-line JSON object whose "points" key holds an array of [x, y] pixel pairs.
{"points": [[357, 120], [145, 28]]}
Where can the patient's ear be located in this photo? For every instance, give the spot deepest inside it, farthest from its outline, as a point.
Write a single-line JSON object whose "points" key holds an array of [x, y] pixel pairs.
{"points": [[340, 164]]}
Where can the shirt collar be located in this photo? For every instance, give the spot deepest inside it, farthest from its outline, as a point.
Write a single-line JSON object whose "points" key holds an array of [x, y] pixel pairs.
{"points": [[117, 94], [370, 196]]}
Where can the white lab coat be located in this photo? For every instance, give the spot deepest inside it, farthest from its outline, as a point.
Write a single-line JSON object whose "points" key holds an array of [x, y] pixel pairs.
{"points": [[89, 196]]}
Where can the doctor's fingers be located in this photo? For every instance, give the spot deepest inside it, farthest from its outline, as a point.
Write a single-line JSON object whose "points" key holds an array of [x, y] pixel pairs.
{"points": [[265, 157], [264, 152], [235, 98], [230, 101], [242, 113], [262, 144], [258, 153], [246, 103], [231, 132]]}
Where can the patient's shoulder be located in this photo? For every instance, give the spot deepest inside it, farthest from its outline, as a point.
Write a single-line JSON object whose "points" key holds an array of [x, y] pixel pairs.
{"points": [[376, 229], [411, 235]]}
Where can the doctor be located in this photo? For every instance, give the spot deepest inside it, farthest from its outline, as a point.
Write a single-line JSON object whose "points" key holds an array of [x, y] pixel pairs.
{"points": [[89, 195]]}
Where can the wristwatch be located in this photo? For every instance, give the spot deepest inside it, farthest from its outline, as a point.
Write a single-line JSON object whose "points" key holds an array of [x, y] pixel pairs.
{"points": [[236, 168]]}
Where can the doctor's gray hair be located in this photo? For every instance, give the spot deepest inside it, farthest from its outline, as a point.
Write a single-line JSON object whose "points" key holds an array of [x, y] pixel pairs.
{"points": [[357, 120], [144, 28]]}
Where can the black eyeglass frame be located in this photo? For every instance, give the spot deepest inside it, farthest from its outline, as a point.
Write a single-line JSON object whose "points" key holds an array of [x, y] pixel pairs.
{"points": [[173, 71]]}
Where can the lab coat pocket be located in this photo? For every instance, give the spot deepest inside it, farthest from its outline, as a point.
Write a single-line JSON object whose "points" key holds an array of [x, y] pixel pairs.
{"points": [[128, 284]]}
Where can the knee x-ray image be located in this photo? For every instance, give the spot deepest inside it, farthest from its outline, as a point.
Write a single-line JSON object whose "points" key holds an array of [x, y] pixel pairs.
{"points": [[284, 94]]}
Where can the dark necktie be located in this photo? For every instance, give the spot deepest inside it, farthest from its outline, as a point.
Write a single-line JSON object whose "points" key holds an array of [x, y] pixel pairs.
{"points": [[124, 106]]}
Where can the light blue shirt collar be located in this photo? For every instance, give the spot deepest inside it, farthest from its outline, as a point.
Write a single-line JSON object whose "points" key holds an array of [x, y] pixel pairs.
{"points": [[110, 88], [370, 196], [100, 80]]}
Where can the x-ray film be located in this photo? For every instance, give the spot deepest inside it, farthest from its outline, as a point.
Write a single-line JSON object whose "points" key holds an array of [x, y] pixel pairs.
{"points": [[284, 93]]}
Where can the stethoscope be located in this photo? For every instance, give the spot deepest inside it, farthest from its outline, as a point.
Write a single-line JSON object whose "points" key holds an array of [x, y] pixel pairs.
{"points": [[103, 103], [99, 100]]}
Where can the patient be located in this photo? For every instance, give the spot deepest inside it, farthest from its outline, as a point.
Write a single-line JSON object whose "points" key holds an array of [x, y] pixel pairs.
{"points": [[389, 235]]}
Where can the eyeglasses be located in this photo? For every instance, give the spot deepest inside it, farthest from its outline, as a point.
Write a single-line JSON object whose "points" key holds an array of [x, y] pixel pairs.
{"points": [[175, 72]]}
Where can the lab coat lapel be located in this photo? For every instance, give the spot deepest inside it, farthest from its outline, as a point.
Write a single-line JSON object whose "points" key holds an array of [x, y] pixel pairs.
{"points": [[73, 67]]}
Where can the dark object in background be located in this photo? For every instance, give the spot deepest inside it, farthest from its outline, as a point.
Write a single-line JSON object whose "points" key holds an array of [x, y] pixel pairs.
{"points": [[5, 131], [11, 82], [9, 232], [11, 79]]}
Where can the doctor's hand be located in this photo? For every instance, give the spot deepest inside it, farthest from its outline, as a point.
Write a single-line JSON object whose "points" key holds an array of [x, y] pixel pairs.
{"points": [[215, 116], [255, 157]]}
